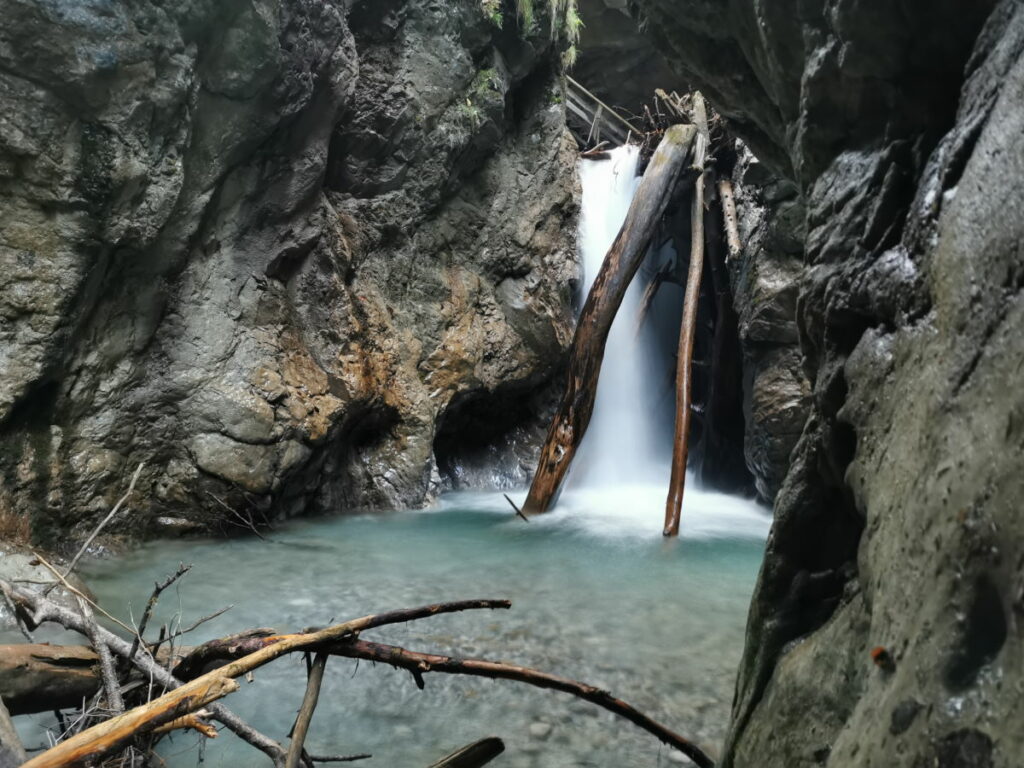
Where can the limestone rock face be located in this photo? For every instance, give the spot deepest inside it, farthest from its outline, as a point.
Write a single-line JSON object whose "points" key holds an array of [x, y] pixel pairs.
{"points": [[897, 527], [262, 246], [765, 284]]}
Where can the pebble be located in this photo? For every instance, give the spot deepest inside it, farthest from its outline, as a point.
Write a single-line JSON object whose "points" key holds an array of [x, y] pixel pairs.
{"points": [[540, 730]]}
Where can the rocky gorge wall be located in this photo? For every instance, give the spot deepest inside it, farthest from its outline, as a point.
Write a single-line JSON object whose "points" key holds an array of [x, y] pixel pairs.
{"points": [[267, 248], [885, 628]]}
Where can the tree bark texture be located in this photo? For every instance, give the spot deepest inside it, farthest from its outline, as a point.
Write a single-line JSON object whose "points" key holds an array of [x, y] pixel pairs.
{"points": [[688, 327]]}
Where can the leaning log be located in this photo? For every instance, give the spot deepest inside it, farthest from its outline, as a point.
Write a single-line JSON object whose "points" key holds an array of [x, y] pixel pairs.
{"points": [[620, 265], [687, 330]]}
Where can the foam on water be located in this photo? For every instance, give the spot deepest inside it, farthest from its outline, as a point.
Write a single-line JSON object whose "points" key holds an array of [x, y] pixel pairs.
{"points": [[629, 511], [619, 446]]}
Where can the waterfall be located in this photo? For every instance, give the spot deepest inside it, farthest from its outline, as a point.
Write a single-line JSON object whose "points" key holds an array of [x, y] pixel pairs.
{"points": [[620, 445]]}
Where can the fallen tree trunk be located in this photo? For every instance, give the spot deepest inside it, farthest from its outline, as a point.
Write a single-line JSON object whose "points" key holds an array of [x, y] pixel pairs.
{"points": [[41, 678], [684, 371], [620, 265]]}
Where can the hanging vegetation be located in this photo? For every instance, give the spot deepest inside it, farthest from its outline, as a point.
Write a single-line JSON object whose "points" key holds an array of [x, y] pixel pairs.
{"points": [[565, 21]]}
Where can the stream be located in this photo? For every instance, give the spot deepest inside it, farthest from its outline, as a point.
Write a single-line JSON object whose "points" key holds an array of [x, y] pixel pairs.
{"points": [[597, 595]]}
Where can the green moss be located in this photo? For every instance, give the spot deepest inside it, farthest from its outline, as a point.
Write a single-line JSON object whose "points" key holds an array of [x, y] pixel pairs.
{"points": [[492, 8], [565, 19], [471, 114], [486, 82]]}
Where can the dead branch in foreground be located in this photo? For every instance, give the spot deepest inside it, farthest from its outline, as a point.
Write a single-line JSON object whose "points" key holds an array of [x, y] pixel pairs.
{"points": [[305, 716], [421, 663], [254, 649], [118, 732]]}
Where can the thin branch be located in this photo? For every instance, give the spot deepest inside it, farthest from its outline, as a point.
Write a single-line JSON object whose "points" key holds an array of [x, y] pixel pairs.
{"points": [[46, 610], [108, 672], [517, 509], [205, 689], [305, 716], [62, 580], [107, 519], [338, 758], [158, 589], [421, 663]]}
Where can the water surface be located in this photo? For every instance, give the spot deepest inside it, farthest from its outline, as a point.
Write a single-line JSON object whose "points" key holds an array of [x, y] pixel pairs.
{"points": [[597, 595]]}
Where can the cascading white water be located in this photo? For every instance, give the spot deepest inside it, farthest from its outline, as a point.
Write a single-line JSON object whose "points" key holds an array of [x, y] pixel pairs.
{"points": [[619, 479], [619, 444]]}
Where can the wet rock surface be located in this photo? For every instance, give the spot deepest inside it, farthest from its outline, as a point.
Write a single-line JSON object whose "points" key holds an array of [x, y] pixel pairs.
{"points": [[262, 246], [765, 283], [896, 526], [20, 565]]}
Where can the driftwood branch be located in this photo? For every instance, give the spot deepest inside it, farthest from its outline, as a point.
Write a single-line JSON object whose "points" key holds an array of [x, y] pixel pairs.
{"points": [[44, 609], [420, 664], [187, 697], [684, 371], [247, 651], [158, 589], [620, 264], [103, 523], [305, 716], [241, 646]]}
